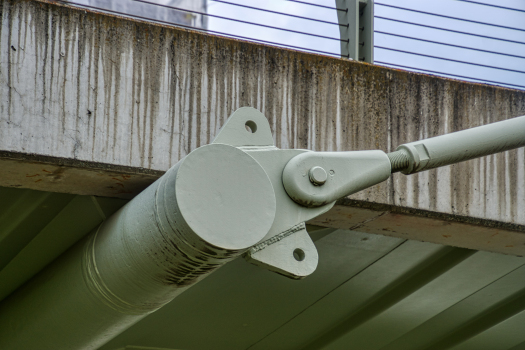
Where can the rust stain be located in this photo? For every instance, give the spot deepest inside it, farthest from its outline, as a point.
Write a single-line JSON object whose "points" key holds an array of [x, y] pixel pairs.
{"points": [[447, 236], [32, 175]]}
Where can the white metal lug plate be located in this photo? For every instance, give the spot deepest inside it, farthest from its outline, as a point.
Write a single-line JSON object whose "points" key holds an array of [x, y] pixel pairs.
{"points": [[287, 248], [290, 253]]}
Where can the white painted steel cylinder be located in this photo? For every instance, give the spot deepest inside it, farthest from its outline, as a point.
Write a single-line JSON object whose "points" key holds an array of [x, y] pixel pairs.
{"points": [[206, 210]]}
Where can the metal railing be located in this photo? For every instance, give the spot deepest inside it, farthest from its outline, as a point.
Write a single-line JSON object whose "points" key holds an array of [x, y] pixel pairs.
{"points": [[99, 7], [416, 44]]}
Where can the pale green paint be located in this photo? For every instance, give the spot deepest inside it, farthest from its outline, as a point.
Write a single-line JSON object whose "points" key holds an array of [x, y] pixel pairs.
{"points": [[53, 225], [476, 300], [463, 145]]}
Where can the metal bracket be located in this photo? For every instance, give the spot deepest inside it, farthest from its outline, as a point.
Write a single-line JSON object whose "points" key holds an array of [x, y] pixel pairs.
{"points": [[287, 248], [307, 184], [314, 179]]}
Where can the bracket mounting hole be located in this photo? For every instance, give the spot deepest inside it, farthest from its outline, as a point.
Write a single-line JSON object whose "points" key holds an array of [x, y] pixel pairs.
{"points": [[250, 126], [298, 254]]}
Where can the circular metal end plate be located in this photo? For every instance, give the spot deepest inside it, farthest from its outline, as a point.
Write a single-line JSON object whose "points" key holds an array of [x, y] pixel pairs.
{"points": [[225, 197]]}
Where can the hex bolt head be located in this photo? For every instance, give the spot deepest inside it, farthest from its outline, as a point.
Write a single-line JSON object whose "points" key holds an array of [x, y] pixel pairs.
{"points": [[317, 175]]}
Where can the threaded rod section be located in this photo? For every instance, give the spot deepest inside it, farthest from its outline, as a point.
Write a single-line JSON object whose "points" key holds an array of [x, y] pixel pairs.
{"points": [[398, 161]]}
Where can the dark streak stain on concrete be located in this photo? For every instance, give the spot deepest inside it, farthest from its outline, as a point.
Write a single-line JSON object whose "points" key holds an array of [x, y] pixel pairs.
{"points": [[155, 93]]}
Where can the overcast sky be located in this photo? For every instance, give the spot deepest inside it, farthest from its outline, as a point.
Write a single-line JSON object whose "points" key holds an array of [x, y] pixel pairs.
{"points": [[507, 65]]}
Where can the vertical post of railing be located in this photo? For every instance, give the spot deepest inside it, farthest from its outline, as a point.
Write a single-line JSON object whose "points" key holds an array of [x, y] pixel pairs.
{"points": [[357, 29], [366, 31], [348, 18]]}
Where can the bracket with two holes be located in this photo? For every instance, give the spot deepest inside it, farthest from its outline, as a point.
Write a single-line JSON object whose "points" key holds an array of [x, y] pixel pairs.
{"points": [[287, 248]]}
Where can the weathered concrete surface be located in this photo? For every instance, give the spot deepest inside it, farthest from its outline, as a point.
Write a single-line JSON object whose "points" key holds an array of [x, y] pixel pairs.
{"points": [[423, 225], [95, 88], [64, 175]]}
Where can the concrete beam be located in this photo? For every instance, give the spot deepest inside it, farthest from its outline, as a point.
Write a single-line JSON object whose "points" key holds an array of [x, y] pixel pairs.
{"points": [[53, 174], [100, 96], [427, 226]]}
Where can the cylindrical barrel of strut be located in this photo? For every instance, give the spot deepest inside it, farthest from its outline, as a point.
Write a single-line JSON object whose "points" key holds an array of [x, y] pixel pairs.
{"points": [[206, 210], [459, 146]]}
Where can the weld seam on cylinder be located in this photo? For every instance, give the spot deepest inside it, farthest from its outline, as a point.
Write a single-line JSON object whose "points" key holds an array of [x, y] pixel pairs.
{"points": [[399, 161], [277, 238], [100, 290], [159, 210], [219, 255], [185, 248], [190, 260]]}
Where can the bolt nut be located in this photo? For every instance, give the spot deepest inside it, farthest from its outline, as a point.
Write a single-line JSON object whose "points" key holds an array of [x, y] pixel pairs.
{"points": [[317, 175]]}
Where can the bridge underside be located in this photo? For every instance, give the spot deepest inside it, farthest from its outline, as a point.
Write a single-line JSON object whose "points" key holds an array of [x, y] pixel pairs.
{"points": [[94, 108]]}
